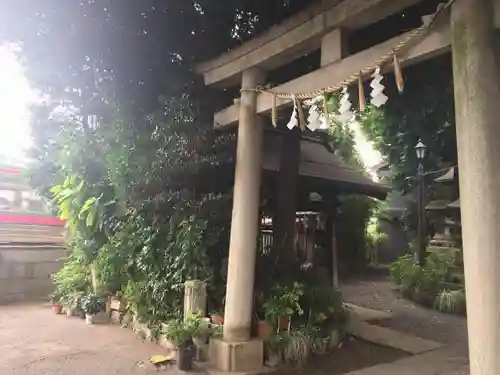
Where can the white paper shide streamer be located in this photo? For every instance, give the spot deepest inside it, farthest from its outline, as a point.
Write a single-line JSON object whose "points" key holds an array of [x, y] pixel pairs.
{"points": [[314, 120], [294, 122], [345, 113], [378, 98]]}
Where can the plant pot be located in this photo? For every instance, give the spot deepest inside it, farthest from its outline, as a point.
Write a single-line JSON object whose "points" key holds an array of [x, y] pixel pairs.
{"points": [[57, 308], [217, 319], [201, 338], [264, 330], [284, 322], [89, 318], [185, 358], [70, 311]]}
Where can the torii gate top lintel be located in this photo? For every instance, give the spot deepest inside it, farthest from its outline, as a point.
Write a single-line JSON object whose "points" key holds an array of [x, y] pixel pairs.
{"points": [[297, 35], [323, 27]]}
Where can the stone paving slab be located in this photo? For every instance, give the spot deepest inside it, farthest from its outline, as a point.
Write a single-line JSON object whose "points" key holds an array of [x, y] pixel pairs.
{"points": [[365, 314], [433, 363], [388, 337], [211, 371]]}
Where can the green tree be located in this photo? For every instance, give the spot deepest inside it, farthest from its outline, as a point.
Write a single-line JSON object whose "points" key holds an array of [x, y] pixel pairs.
{"points": [[424, 111]]}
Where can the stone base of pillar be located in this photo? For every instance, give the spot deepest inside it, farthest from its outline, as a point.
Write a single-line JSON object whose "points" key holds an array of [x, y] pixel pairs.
{"points": [[239, 357]]}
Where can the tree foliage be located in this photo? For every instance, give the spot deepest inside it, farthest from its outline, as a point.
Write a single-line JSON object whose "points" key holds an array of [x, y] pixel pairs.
{"points": [[424, 111], [137, 50], [137, 202]]}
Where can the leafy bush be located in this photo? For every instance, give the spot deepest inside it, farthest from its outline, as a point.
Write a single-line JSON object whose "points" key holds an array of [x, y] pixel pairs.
{"points": [[92, 304], [284, 302], [451, 301], [296, 346], [161, 259], [375, 238], [422, 283], [325, 308], [181, 331], [299, 346], [71, 280], [146, 200], [405, 273]]}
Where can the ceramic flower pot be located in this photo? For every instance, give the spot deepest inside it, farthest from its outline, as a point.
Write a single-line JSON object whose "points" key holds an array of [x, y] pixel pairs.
{"points": [[70, 311], [57, 308], [264, 330], [217, 319], [283, 323], [89, 318]]}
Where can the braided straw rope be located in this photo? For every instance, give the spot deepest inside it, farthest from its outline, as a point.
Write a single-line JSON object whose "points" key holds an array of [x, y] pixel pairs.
{"points": [[410, 39]]}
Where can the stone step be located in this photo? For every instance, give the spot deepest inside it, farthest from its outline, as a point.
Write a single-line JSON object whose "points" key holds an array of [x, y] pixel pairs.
{"points": [[388, 337]]}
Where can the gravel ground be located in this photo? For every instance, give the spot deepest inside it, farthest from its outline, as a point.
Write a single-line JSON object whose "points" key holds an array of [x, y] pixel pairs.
{"points": [[375, 292], [33, 340]]}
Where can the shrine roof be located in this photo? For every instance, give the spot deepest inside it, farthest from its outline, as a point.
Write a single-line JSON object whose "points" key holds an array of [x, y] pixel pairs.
{"points": [[455, 204], [437, 205], [317, 161]]}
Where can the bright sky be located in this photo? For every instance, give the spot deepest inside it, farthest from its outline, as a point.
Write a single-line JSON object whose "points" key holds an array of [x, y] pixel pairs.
{"points": [[15, 98], [368, 154]]}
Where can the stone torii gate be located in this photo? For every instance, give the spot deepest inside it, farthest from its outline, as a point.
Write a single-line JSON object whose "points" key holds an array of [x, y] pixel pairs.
{"points": [[469, 30]]}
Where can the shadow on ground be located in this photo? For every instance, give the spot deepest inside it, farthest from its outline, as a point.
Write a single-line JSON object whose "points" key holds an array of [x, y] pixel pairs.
{"points": [[354, 355]]}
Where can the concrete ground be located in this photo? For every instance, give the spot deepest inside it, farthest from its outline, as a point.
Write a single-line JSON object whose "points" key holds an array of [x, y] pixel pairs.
{"points": [[33, 340]]}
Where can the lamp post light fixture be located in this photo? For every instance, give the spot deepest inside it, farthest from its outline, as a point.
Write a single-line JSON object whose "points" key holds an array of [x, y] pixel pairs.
{"points": [[421, 149]]}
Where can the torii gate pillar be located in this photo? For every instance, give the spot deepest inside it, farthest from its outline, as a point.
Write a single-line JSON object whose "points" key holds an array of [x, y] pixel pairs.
{"points": [[236, 352], [477, 94]]}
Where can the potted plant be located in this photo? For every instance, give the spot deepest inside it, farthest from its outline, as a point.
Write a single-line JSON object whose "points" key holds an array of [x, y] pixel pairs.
{"points": [[91, 305], [71, 303], [278, 313], [56, 303], [263, 328], [283, 304], [180, 333], [274, 347], [217, 318]]}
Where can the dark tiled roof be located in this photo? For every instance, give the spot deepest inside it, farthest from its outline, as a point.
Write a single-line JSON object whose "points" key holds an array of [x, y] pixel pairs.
{"points": [[437, 205], [455, 204], [318, 162]]}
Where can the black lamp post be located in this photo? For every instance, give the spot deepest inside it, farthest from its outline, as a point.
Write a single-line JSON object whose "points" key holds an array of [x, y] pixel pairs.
{"points": [[420, 149]]}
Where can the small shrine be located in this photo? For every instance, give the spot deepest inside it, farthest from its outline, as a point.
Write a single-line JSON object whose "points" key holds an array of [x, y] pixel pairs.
{"points": [[442, 214]]}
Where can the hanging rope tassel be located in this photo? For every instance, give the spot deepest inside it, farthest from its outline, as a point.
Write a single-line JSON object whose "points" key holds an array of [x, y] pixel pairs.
{"points": [[300, 112], [274, 115], [398, 74], [361, 93]]}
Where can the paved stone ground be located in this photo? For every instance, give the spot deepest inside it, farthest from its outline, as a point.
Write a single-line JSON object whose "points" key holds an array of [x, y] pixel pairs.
{"points": [[33, 340], [375, 292]]}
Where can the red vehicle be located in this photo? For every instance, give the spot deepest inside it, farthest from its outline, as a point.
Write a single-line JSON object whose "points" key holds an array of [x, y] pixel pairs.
{"points": [[24, 215]]}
